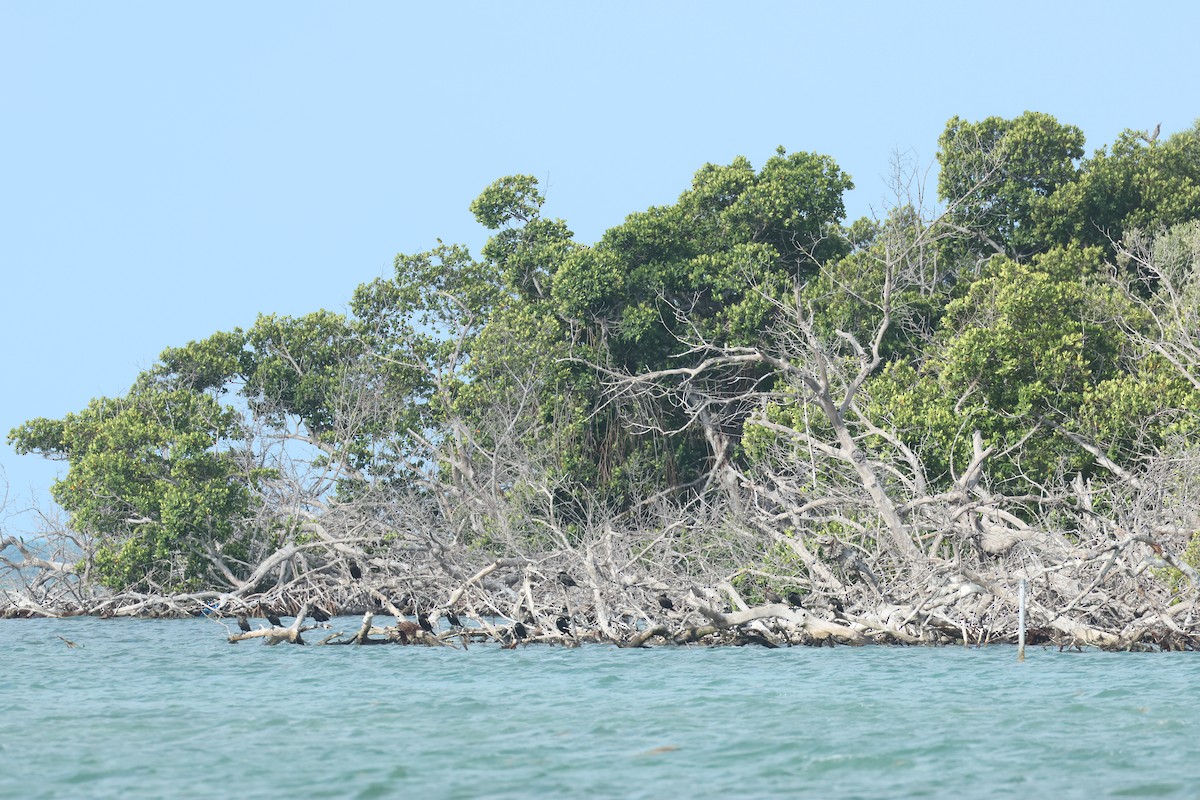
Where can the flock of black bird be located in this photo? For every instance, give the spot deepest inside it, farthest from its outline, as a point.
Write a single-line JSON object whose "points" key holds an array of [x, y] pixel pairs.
{"points": [[519, 631], [317, 613], [792, 598]]}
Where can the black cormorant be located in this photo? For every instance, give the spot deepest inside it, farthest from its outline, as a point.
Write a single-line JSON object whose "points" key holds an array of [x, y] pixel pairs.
{"points": [[319, 614], [273, 618], [452, 618], [566, 580], [665, 602], [520, 631], [563, 625], [243, 623], [423, 621], [355, 570], [794, 599]]}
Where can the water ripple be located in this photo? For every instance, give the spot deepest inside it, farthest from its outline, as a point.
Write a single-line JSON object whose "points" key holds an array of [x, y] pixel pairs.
{"points": [[152, 709]]}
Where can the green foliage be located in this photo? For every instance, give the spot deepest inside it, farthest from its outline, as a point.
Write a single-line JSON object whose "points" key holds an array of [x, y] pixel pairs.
{"points": [[1010, 325], [1156, 397], [153, 477], [914, 403], [1174, 579], [1025, 342], [514, 198], [847, 295], [418, 328], [281, 366], [291, 370], [1142, 409], [997, 175], [1136, 184], [1023, 339], [732, 243], [1024, 185], [209, 364], [298, 366]]}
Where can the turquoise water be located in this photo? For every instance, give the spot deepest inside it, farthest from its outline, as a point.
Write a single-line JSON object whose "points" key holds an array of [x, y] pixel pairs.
{"points": [[169, 709]]}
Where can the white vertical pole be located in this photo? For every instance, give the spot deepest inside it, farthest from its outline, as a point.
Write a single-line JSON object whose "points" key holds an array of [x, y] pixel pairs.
{"points": [[1021, 621]]}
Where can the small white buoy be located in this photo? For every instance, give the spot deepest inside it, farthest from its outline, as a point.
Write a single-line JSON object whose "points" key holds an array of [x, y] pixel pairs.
{"points": [[1021, 621]]}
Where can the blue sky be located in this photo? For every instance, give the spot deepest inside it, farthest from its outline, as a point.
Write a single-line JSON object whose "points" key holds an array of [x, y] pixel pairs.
{"points": [[173, 169]]}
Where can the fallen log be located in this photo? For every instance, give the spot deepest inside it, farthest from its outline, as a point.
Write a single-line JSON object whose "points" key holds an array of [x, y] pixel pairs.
{"points": [[276, 634], [817, 629]]}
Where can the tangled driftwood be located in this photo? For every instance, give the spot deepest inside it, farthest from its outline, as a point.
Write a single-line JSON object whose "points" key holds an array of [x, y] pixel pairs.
{"points": [[1081, 600]]}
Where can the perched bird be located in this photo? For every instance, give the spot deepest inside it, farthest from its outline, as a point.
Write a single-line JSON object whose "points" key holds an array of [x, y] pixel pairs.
{"points": [[452, 618], [564, 625], [273, 618], [566, 580], [243, 623], [666, 602], [382, 601], [794, 599], [319, 614], [355, 570], [520, 631], [771, 595], [423, 621]]}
